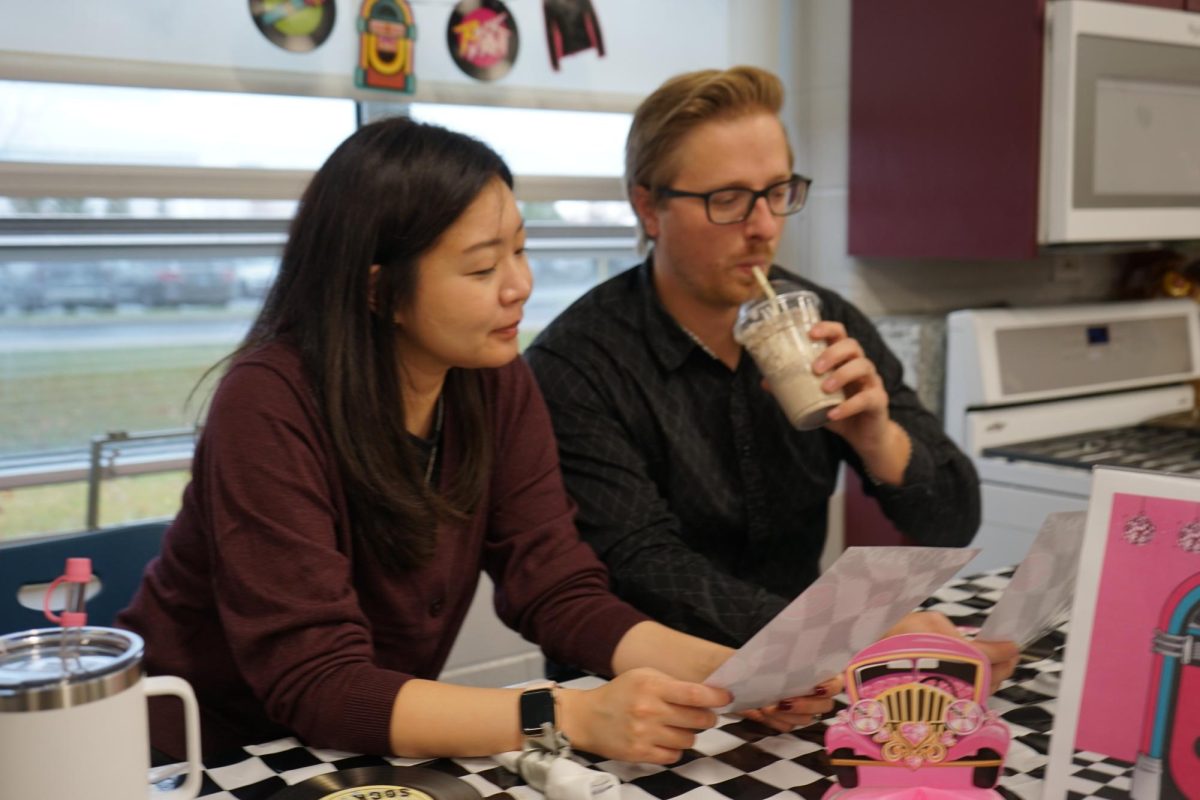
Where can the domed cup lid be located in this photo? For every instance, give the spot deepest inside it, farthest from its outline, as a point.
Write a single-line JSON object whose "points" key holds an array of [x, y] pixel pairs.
{"points": [[62, 667]]}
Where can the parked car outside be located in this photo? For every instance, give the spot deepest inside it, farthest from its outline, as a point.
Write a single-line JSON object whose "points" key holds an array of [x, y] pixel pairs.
{"points": [[255, 276], [177, 282], [918, 717], [35, 285]]}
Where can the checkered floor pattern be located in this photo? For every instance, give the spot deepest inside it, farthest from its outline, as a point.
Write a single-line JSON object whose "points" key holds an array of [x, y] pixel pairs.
{"points": [[1099, 776], [738, 760]]}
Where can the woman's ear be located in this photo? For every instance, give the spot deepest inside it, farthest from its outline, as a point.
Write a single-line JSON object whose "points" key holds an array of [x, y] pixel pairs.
{"points": [[372, 296], [372, 282], [646, 209]]}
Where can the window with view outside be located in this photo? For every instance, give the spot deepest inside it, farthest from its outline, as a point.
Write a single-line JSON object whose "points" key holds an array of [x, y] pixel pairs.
{"points": [[48, 122], [540, 141], [112, 308]]}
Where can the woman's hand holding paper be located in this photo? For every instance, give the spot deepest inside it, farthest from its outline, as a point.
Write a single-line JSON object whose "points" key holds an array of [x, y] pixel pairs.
{"points": [[797, 712], [641, 715]]}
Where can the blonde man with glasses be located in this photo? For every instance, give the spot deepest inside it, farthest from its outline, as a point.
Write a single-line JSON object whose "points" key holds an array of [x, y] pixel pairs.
{"points": [[707, 506]]}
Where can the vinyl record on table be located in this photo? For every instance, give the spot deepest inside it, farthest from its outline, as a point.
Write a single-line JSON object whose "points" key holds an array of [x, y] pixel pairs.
{"points": [[380, 783]]}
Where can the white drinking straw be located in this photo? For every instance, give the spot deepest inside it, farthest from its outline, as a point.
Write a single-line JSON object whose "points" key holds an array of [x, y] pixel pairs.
{"points": [[773, 298]]}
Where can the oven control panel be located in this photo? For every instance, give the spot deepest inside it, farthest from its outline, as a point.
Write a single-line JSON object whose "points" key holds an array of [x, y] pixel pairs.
{"points": [[1041, 370], [1077, 356], [1002, 356]]}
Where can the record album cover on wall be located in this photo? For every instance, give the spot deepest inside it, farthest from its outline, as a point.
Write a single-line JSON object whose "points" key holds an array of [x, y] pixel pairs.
{"points": [[1131, 680]]}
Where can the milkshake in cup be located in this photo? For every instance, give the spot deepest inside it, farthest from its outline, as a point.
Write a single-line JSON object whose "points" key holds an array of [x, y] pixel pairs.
{"points": [[776, 334]]}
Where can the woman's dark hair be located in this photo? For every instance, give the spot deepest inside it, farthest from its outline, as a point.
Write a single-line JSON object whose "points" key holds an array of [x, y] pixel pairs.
{"points": [[384, 197]]}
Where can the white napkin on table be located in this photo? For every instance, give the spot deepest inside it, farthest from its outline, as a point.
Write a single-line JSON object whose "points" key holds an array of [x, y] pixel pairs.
{"points": [[558, 777]]}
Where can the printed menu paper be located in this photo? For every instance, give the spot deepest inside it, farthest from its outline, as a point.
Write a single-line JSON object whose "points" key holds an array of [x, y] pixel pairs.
{"points": [[1040, 592], [853, 603]]}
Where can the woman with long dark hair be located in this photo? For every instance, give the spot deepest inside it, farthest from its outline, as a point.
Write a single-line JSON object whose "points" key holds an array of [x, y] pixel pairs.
{"points": [[373, 445]]}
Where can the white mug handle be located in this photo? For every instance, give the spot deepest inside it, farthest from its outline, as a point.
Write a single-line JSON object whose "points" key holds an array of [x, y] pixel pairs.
{"points": [[169, 684]]}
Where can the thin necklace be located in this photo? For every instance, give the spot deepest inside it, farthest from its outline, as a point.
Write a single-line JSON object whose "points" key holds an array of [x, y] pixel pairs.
{"points": [[437, 438], [696, 339]]}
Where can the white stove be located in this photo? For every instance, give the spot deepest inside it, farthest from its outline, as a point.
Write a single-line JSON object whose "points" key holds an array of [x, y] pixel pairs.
{"points": [[1037, 397]]}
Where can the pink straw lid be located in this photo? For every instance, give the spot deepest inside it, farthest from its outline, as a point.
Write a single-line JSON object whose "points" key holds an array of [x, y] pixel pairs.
{"points": [[79, 570]]}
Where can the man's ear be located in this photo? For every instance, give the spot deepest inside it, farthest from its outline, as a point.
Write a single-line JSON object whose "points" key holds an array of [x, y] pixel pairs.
{"points": [[646, 209]]}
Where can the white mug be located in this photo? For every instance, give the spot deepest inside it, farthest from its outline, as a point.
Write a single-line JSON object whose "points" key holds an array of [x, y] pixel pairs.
{"points": [[73, 720]]}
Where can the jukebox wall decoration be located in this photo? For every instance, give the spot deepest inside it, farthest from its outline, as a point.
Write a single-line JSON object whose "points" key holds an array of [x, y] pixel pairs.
{"points": [[387, 36]]}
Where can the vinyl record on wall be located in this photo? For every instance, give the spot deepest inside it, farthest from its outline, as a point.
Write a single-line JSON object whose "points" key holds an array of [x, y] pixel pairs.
{"points": [[295, 25], [482, 37]]}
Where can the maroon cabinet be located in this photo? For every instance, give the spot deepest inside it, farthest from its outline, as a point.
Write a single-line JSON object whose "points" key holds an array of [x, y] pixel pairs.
{"points": [[945, 116], [945, 127]]}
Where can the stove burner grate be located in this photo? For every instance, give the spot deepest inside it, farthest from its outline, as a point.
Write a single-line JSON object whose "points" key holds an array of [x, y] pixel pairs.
{"points": [[1140, 446]]}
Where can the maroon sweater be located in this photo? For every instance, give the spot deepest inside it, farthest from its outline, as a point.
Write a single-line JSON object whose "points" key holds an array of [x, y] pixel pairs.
{"points": [[262, 603]]}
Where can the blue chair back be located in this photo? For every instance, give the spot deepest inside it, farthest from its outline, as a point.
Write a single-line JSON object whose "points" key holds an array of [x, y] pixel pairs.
{"points": [[119, 555]]}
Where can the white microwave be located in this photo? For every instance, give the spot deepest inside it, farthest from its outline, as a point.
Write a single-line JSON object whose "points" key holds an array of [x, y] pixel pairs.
{"points": [[1120, 124]]}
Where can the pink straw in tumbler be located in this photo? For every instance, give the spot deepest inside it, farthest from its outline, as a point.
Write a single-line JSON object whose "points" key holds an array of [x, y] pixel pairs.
{"points": [[77, 575]]}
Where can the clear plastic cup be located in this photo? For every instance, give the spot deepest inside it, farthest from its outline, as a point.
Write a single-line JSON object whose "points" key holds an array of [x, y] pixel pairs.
{"points": [[776, 334]]}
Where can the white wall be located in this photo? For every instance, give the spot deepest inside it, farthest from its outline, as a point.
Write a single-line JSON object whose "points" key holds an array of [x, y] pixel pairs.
{"points": [[486, 653], [214, 44]]}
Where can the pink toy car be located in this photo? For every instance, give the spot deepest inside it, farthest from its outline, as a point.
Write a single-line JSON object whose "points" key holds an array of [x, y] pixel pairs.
{"points": [[918, 722]]}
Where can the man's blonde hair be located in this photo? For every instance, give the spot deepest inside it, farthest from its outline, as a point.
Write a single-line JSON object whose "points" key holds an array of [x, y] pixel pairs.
{"points": [[680, 105]]}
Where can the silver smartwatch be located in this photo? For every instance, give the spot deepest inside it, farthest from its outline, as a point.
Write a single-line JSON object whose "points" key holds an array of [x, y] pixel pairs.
{"points": [[539, 720]]}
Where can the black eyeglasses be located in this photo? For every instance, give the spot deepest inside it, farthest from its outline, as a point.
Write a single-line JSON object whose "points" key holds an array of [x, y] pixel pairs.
{"points": [[730, 206]]}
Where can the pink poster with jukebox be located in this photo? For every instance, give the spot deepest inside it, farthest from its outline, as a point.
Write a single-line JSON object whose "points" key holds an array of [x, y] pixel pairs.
{"points": [[1129, 700]]}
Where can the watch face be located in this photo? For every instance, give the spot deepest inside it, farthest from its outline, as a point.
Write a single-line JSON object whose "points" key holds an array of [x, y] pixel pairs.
{"points": [[537, 708]]}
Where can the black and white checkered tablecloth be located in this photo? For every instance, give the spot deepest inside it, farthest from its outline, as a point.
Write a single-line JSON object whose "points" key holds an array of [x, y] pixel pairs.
{"points": [[738, 759]]}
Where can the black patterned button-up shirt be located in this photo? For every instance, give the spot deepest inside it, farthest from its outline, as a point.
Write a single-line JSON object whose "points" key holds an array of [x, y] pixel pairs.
{"points": [[707, 506]]}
